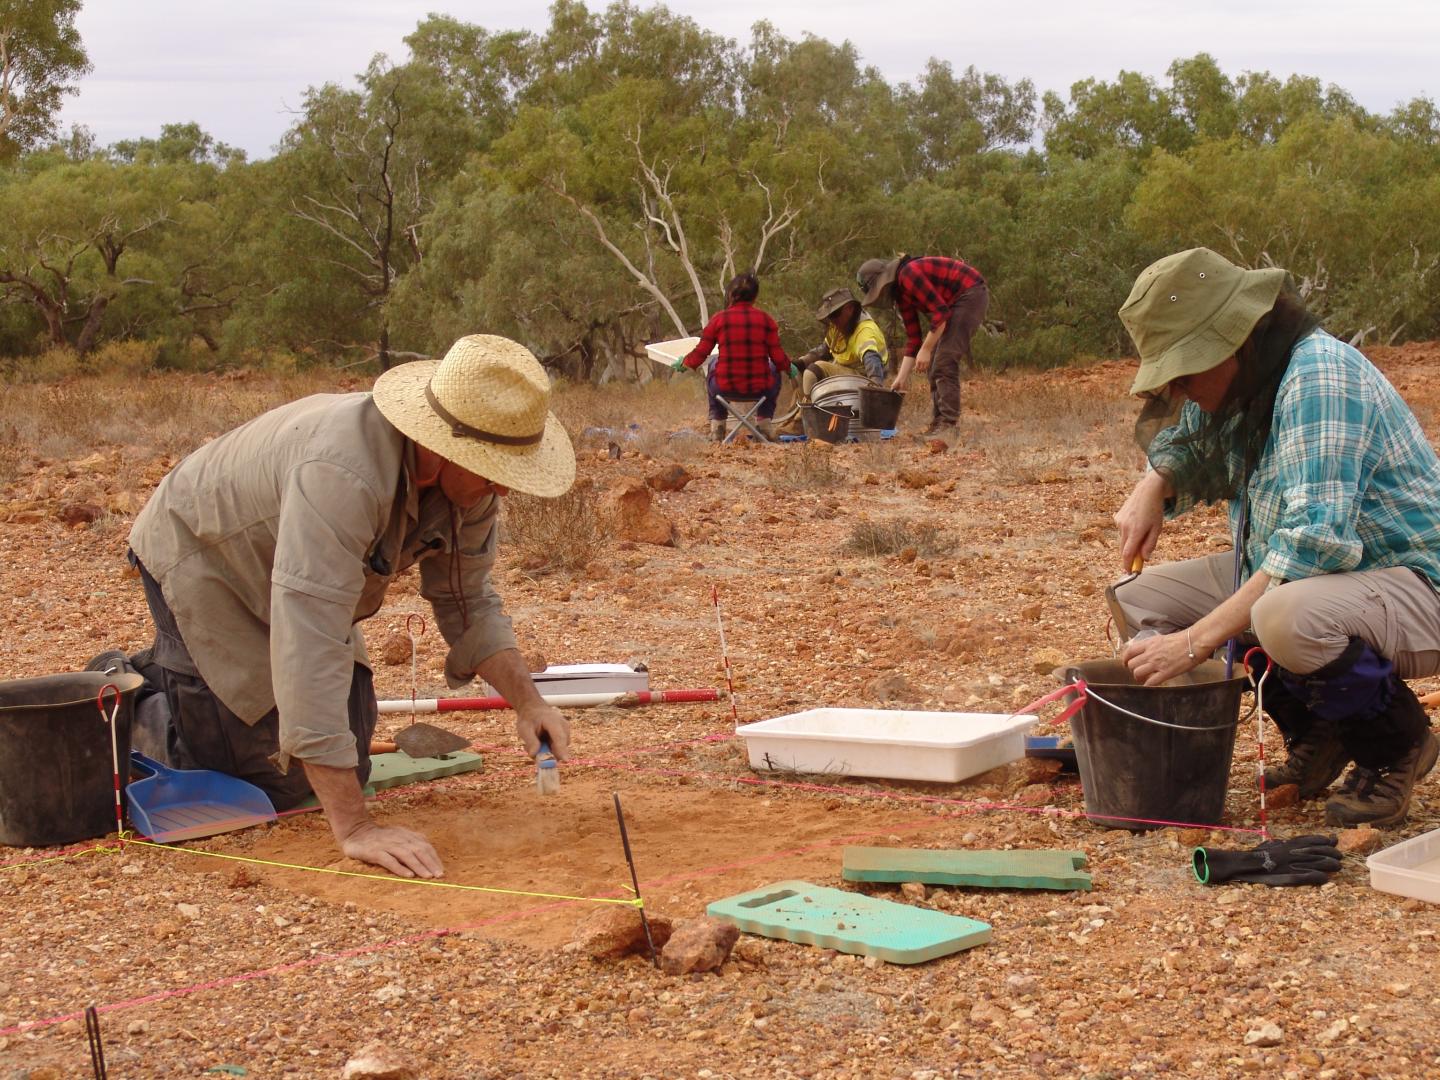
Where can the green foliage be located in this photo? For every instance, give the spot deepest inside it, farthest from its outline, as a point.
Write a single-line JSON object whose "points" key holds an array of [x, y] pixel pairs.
{"points": [[592, 186], [41, 57]]}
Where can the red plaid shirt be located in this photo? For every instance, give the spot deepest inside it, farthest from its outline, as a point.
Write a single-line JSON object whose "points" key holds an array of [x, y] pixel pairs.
{"points": [[749, 344], [930, 284]]}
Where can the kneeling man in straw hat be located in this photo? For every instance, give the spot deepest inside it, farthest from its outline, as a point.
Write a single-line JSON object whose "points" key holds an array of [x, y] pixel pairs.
{"points": [[263, 550]]}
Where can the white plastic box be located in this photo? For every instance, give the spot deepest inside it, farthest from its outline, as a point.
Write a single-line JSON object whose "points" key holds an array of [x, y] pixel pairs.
{"points": [[667, 352], [944, 747], [1410, 868]]}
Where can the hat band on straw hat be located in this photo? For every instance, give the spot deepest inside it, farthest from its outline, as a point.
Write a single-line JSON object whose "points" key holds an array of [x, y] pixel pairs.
{"points": [[462, 430]]}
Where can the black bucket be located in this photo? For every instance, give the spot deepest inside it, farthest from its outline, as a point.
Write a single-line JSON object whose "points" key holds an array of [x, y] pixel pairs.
{"points": [[830, 425], [1173, 767], [880, 408], [57, 773]]}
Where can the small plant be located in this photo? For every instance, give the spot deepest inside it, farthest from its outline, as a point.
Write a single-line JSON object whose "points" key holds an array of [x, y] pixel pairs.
{"points": [[546, 535], [874, 539], [808, 469]]}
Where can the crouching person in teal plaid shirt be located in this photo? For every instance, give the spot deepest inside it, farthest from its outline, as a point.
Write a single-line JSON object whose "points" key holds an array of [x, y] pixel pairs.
{"points": [[1334, 497]]}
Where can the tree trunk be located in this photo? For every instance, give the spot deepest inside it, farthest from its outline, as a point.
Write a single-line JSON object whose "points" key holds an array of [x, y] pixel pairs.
{"points": [[384, 344], [86, 341]]}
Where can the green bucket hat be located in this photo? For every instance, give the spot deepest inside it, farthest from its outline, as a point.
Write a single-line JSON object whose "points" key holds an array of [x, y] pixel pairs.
{"points": [[1190, 311], [833, 301], [873, 276]]}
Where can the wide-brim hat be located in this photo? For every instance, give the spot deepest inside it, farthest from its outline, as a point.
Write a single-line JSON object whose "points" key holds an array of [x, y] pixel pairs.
{"points": [[873, 276], [1191, 311], [485, 407], [833, 301]]}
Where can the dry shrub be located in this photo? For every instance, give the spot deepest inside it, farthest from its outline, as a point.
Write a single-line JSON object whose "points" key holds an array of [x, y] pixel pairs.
{"points": [[595, 415], [808, 469], [165, 413], [565, 533], [48, 366], [123, 358], [876, 538]]}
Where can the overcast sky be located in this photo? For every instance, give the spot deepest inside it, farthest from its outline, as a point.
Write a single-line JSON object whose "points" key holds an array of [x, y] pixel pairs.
{"points": [[239, 67]]}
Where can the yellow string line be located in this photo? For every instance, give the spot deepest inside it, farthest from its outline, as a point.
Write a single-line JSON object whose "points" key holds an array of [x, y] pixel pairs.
{"points": [[98, 849], [389, 879]]}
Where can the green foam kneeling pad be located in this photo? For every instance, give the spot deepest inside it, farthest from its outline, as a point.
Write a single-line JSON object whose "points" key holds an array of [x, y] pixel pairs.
{"points": [[982, 869], [849, 922]]}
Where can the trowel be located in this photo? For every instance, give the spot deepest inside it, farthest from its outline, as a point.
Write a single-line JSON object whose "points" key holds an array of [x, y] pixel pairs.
{"points": [[424, 740], [1117, 613]]}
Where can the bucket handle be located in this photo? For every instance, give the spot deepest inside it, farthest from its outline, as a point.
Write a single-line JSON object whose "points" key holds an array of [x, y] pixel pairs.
{"points": [[846, 415], [1090, 691]]}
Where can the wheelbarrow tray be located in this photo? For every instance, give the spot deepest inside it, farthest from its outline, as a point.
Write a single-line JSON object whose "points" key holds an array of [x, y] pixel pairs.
{"points": [[169, 805]]}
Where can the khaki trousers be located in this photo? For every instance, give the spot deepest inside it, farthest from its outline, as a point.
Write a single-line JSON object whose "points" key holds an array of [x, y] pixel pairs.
{"points": [[1305, 624]]}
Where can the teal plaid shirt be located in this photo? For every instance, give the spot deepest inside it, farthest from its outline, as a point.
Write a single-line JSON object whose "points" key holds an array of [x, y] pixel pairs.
{"points": [[1347, 480]]}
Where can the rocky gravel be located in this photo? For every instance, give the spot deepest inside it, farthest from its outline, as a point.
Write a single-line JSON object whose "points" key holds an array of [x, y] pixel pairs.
{"points": [[202, 967]]}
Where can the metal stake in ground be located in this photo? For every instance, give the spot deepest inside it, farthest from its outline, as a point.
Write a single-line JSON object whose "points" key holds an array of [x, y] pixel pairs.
{"points": [[109, 718], [724, 656], [97, 1049], [635, 880]]}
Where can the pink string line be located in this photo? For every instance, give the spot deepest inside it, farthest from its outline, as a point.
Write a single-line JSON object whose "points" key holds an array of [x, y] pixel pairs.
{"points": [[420, 937]]}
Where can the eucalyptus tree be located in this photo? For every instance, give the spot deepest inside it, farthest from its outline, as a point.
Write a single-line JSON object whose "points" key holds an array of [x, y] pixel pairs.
{"points": [[359, 171], [41, 58]]}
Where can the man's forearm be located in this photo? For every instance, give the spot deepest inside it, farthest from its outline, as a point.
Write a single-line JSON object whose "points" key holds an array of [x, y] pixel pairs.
{"points": [[507, 671], [340, 796]]}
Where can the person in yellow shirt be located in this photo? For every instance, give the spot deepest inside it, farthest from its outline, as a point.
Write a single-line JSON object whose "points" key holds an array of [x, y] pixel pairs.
{"points": [[853, 345]]}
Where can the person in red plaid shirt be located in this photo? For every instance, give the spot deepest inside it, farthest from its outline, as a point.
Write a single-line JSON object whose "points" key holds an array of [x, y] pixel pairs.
{"points": [[751, 359], [953, 296]]}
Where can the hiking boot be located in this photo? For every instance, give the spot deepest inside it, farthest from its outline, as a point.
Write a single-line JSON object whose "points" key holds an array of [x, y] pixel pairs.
{"points": [[717, 430], [766, 429], [1382, 796], [1312, 760]]}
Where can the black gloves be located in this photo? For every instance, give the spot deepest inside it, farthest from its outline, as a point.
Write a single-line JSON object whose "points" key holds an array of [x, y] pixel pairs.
{"points": [[1304, 860]]}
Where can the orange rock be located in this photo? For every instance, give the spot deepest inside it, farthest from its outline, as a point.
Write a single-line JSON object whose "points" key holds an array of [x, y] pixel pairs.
{"points": [[1361, 841], [630, 508], [670, 478], [1283, 796]]}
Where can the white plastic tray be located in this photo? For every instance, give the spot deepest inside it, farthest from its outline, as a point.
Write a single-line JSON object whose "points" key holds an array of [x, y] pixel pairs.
{"points": [[945, 747], [1410, 868], [667, 352]]}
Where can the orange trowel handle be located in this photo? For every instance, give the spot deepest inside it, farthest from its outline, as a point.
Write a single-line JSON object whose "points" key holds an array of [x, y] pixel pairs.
{"points": [[380, 746]]}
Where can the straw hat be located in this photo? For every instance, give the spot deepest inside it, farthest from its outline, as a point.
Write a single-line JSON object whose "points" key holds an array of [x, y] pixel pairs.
{"points": [[873, 276], [1190, 311], [484, 407]]}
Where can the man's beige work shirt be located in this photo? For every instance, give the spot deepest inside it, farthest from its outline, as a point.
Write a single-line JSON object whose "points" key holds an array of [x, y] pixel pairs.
{"points": [[271, 542]]}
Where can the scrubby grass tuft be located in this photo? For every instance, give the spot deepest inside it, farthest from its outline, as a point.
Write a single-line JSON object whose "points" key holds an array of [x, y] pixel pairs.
{"points": [[876, 538], [808, 469], [546, 535]]}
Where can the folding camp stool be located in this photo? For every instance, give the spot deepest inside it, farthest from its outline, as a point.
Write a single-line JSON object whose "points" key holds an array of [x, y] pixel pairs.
{"points": [[732, 406]]}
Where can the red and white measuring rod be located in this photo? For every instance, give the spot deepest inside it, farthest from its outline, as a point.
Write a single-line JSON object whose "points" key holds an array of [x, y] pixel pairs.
{"points": [[624, 700]]}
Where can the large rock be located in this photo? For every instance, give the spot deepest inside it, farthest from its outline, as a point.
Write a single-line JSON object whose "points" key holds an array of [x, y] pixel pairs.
{"points": [[615, 931], [698, 945], [634, 517], [376, 1061]]}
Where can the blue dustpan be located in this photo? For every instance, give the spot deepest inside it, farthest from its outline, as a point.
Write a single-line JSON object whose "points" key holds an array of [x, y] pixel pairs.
{"points": [[170, 805]]}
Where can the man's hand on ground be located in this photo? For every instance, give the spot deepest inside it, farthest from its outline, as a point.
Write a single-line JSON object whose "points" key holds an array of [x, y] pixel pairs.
{"points": [[402, 851]]}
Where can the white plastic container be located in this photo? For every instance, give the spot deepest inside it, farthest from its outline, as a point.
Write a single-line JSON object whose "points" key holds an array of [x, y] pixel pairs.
{"points": [[896, 744], [1410, 868], [667, 352]]}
